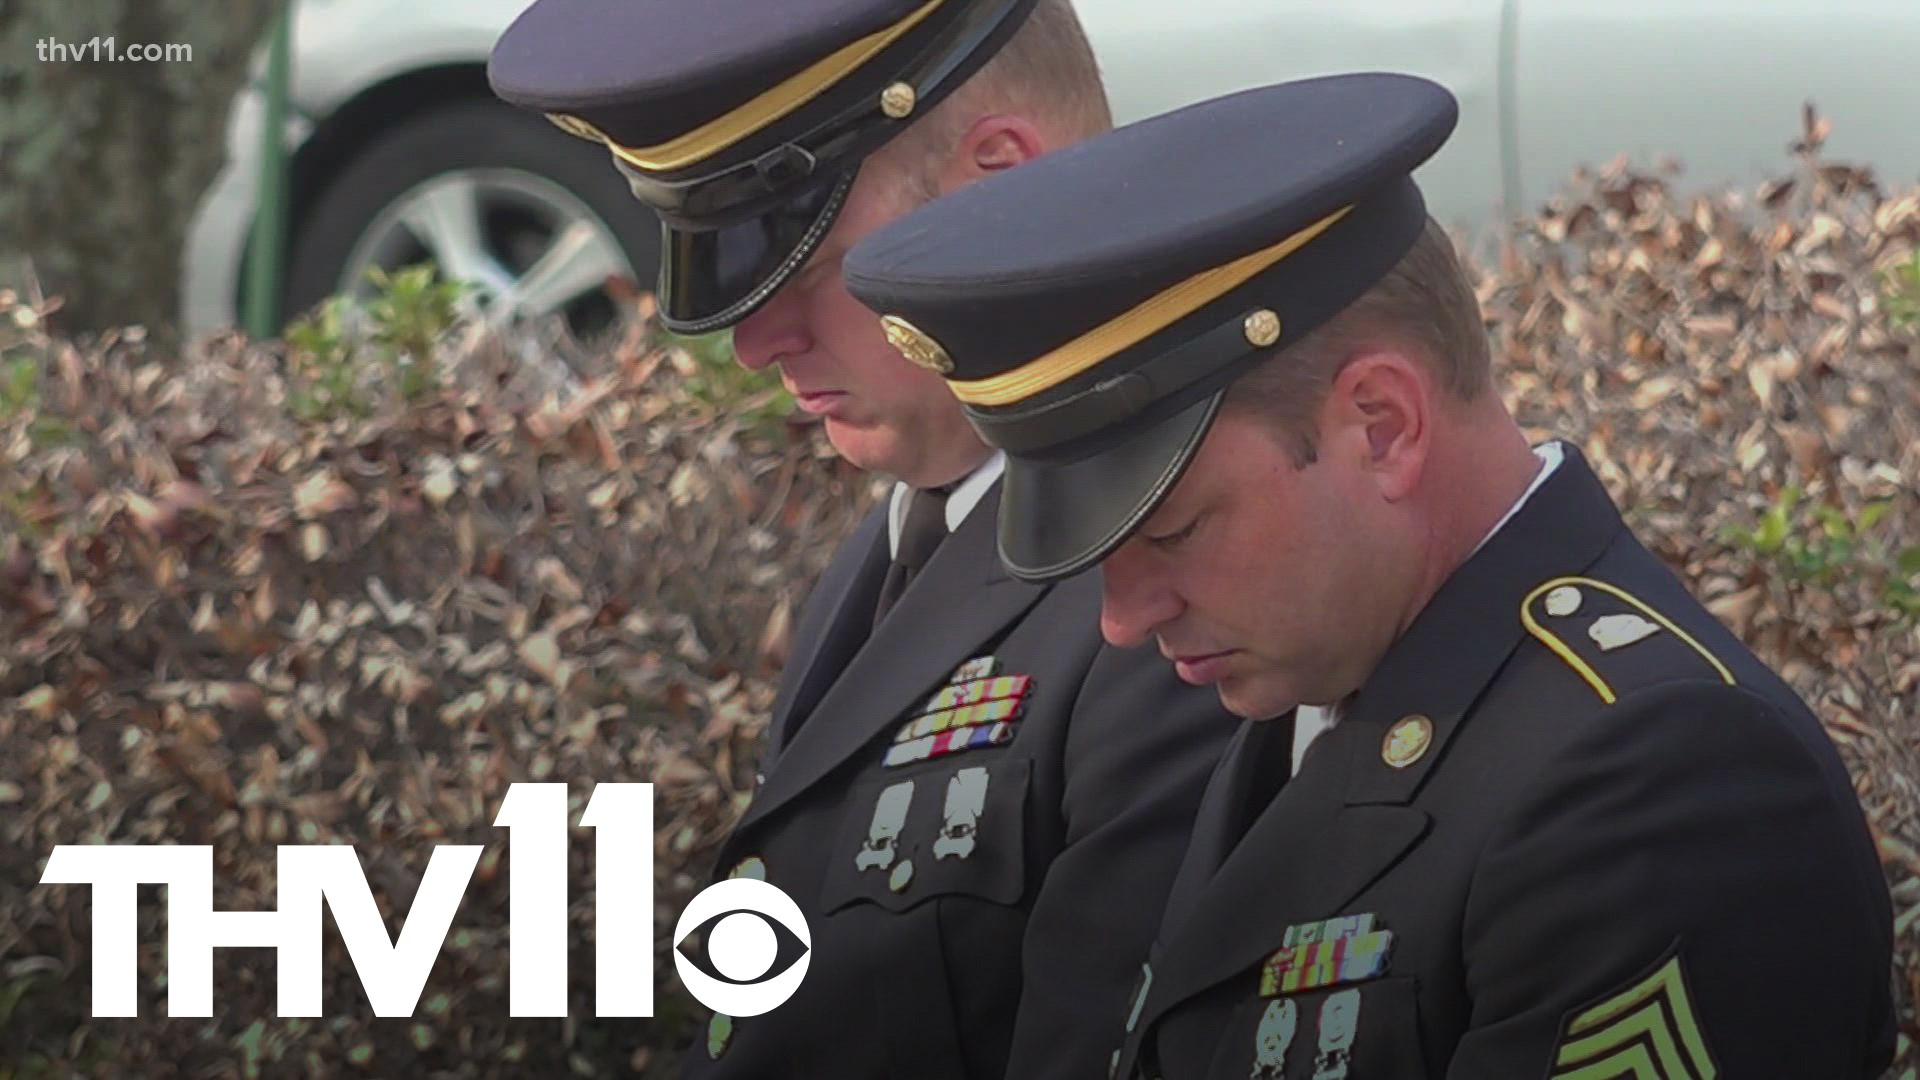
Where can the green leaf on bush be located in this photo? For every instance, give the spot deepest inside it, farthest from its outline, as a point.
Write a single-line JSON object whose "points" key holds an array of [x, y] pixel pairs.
{"points": [[20, 390], [1909, 561], [1901, 292], [248, 1043], [12, 996]]}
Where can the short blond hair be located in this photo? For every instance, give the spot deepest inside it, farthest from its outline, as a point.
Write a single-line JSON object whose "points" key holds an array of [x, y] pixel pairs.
{"points": [[1425, 304], [1046, 72]]}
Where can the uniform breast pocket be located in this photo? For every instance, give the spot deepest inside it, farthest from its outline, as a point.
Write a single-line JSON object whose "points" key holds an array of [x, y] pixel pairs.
{"points": [[907, 839], [1363, 1031]]}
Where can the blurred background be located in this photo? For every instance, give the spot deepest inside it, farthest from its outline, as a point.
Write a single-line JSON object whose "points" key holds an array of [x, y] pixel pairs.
{"points": [[135, 189], [346, 478]]}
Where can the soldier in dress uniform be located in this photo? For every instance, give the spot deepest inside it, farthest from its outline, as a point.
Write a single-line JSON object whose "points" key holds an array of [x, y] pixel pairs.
{"points": [[1509, 803], [978, 805]]}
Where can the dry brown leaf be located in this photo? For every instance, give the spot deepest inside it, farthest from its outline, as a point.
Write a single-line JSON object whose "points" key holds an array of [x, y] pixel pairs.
{"points": [[527, 582], [321, 494], [541, 654]]}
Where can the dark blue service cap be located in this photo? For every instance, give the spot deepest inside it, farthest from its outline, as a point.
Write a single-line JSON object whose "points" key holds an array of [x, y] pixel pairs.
{"points": [[1090, 308], [741, 122]]}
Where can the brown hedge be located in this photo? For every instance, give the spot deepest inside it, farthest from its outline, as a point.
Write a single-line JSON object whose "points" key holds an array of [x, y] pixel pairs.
{"points": [[220, 625]]}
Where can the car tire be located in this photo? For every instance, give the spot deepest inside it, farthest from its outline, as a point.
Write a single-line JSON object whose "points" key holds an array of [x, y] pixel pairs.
{"points": [[477, 136]]}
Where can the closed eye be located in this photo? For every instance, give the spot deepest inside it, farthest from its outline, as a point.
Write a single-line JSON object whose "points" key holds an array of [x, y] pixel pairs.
{"points": [[1173, 539]]}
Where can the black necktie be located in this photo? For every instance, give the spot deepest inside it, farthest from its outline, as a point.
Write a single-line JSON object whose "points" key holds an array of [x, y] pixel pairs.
{"points": [[920, 534]]}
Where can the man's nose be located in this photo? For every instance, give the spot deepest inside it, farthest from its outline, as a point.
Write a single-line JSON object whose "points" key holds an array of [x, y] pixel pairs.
{"points": [[1132, 602], [778, 329]]}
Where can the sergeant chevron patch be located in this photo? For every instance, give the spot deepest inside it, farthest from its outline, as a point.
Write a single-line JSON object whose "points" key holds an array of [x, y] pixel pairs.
{"points": [[1646, 1032]]}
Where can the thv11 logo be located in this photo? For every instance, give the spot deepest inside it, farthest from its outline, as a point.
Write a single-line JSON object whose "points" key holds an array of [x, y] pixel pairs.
{"points": [[748, 925]]}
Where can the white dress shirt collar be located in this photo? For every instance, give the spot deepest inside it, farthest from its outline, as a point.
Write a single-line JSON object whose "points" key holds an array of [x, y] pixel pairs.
{"points": [[966, 495]]}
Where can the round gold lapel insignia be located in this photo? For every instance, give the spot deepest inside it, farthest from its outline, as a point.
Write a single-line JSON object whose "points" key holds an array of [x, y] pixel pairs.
{"points": [[898, 100], [915, 345], [1407, 741], [1263, 328]]}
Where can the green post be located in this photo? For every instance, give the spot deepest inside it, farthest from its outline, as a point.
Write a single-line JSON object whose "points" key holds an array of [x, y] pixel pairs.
{"points": [[267, 259]]}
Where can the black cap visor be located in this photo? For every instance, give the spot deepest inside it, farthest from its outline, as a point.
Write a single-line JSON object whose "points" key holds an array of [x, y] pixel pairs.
{"points": [[735, 234], [1061, 517], [711, 278]]}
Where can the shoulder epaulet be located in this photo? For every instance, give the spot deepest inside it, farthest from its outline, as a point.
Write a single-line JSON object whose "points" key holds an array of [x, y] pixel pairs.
{"points": [[1598, 630]]}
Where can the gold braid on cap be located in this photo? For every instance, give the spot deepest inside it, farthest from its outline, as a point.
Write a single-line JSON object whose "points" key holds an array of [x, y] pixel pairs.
{"points": [[1131, 327], [730, 128]]}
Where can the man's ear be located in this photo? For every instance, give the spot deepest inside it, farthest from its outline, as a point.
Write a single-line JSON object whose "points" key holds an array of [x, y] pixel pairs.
{"points": [[1381, 407], [994, 142]]}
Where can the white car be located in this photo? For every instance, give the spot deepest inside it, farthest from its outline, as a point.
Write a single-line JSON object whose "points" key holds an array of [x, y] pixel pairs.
{"points": [[400, 151]]}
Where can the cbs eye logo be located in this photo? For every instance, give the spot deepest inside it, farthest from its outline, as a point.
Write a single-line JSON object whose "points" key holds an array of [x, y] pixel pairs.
{"points": [[756, 941]]}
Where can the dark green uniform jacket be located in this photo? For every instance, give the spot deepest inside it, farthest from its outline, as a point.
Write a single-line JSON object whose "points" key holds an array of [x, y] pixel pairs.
{"points": [[1569, 828], [980, 810]]}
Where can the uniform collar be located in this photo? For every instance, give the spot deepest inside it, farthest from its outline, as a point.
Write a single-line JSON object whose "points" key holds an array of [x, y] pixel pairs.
{"points": [[966, 495], [1314, 719], [1551, 454]]}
